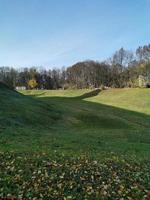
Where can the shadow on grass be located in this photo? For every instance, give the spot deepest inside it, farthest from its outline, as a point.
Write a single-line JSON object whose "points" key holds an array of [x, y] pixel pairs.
{"points": [[71, 124], [89, 94], [98, 115]]}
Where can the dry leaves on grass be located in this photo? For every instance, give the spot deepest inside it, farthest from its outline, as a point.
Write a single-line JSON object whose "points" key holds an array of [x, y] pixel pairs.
{"points": [[40, 177]]}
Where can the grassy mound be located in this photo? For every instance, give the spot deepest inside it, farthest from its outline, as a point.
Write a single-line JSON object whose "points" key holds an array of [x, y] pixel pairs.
{"points": [[134, 99], [21, 115]]}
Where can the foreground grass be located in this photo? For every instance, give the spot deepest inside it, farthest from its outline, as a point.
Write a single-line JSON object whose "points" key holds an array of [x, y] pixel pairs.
{"points": [[44, 135], [40, 176]]}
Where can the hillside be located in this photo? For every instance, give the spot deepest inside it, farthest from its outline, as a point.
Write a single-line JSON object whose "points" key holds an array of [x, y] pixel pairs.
{"points": [[21, 116], [134, 99], [65, 121], [111, 121], [92, 148]]}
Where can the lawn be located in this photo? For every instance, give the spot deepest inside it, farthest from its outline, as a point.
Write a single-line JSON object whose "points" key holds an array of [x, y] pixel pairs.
{"points": [[115, 121], [89, 147]]}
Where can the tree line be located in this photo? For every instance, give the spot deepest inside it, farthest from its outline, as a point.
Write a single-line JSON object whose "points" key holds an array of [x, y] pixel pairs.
{"points": [[123, 69]]}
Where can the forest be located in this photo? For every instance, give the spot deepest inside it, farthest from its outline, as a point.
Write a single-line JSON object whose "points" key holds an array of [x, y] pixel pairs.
{"points": [[124, 69]]}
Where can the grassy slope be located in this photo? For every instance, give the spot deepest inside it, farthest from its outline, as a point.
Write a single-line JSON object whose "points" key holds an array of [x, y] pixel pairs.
{"points": [[92, 125], [22, 118], [131, 99], [62, 121]]}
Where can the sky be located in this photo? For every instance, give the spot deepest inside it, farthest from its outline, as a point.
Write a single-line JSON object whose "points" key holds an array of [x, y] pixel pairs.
{"points": [[56, 33]]}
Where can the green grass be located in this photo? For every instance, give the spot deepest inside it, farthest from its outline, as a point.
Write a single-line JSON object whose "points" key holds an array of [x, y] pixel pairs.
{"points": [[115, 121], [56, 126], [44, 177], [131, 99]]}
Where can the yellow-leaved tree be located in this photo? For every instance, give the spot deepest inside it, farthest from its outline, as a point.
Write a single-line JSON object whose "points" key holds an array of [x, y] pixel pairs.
{"points": [[32, 83]]}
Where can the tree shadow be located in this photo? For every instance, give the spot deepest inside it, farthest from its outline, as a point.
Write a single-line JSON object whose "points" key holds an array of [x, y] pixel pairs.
{"points": [[89, 94], [99, 115], [75, 124]]}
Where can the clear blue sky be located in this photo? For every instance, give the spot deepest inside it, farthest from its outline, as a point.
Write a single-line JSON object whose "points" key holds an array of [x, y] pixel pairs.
{"points": [[61, 32]]}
